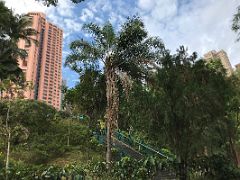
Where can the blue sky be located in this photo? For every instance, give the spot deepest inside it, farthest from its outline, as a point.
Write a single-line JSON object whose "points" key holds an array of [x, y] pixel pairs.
{"points": [[201, 25]]}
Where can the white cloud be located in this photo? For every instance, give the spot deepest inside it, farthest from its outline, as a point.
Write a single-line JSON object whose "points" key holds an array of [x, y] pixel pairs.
{"points": [[86, 14], [25, 6], [65, 8], [201, 25], [72, 24], [146, 5], [100, 11]]}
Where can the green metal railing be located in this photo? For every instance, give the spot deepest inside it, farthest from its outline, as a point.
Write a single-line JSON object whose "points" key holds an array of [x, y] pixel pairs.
{"points": [[139, 146], [134, 144]]}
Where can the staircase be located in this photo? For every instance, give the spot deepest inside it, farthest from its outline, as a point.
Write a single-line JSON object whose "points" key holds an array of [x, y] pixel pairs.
{"points": [[138, 150], [127, 149], [165, 175], [130, 145]]}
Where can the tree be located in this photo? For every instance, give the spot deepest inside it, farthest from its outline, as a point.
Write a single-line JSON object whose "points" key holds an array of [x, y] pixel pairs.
{"points": [[88, 96], [192, 101], [13, 28], [236, 23], [130, 51], [9, 130], [233, 124]]}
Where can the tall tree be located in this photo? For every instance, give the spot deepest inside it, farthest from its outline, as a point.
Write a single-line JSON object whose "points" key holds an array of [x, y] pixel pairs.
{"points": [[129, 50], [233, 125], [192, 101]]}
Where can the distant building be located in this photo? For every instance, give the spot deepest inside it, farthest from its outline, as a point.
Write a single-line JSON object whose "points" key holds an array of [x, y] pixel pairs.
{"points": [[237, 66], [222, 55], [43, 66]]}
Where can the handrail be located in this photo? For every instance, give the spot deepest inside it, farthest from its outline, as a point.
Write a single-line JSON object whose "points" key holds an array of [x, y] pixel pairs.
{"points": [[119, 134], [145, 146]]}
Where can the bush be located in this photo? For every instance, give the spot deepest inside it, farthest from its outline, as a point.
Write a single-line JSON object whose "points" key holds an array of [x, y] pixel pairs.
{"points": [[215, 167], [22, 171], [38, 157], [127, 169]]}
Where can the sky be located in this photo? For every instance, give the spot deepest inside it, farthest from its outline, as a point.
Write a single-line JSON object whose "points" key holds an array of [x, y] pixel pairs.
{"points": [[199, 25]]}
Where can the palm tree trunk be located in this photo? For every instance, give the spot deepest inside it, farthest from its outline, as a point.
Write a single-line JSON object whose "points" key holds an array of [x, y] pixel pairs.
{"points": [[109, 143], [111, 111]]}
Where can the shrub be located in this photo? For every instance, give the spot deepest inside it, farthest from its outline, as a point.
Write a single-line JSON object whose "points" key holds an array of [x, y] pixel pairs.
{"points": [[216, 166]]}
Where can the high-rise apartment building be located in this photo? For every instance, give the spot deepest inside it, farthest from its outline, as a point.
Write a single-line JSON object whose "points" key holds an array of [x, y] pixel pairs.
{"points": [[237, 66], [222, 55], [43, 66]]}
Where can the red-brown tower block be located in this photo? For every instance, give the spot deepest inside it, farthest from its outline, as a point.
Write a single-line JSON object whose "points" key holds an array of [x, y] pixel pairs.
{"points": [[43, 66]]}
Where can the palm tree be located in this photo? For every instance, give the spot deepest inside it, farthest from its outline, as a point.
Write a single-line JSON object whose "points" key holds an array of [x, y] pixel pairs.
{"points": [[128, 51], [13, 28]]}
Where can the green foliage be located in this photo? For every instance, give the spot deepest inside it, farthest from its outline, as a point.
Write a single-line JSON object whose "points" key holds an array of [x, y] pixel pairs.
{"points": [[127, 49], [46, 132], [21, 171], [35, 116], [128, 168], [216, 166], [89, 96], [97, 170], [125, 168], [124, 53], [186, 105], [194, 99]]}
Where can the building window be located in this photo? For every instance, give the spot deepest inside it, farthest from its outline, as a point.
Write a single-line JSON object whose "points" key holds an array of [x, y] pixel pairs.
{"points": [[24, 63], [27, 44]]}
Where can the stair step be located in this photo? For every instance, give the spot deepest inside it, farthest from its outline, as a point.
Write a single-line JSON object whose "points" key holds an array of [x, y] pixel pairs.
{"points": [[165, 175]]}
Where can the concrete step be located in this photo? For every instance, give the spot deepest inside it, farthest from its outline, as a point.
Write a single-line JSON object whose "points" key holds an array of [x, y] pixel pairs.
{"points": [[165, 175], [127, 149]]}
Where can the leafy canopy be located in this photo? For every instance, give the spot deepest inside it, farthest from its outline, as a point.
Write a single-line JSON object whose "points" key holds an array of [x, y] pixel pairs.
{"points": [[129, 50]]}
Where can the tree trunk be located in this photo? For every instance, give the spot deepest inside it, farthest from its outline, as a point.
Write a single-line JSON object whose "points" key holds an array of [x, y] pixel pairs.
{"points": [[233, 151], [109, 142], [111, 110], [69, 132], [8, 138], [183, 170], [8, 153], [68, 109], [232, 145]]}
